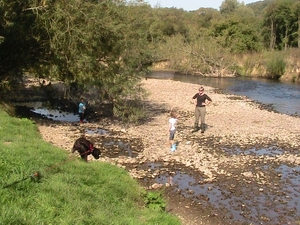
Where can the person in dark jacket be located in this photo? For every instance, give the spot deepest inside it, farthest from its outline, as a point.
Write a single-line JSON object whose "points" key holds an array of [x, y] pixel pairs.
{"points": [[201, 100]]}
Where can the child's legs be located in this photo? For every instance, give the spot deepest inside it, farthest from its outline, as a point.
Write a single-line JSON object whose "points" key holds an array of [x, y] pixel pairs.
{"points": [[171, 137], [81, 116]]}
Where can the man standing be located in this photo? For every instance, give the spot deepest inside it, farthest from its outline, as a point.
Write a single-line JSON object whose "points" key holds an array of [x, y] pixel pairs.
{"points": [[200, 100]]}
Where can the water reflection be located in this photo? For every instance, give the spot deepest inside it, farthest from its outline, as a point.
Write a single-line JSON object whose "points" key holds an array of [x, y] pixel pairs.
{"points": [[57, 115], [51, 112], [284, 97]]}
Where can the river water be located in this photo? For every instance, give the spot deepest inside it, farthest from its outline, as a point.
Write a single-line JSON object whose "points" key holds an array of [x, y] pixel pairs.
{"points": [[283, 97]]}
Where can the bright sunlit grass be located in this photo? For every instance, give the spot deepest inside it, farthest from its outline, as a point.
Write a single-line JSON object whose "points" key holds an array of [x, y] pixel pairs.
{"points": [[69, 190]]}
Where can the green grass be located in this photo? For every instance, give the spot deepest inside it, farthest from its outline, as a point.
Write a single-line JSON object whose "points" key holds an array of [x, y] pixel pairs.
{"points": [[70, 191]]}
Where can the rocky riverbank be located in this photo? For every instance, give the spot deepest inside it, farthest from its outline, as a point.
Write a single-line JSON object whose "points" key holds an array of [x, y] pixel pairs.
{"points": [[233, 122]]}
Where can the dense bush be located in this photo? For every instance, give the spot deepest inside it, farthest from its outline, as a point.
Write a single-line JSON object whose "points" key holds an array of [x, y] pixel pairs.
{"points": [[275, 65]]}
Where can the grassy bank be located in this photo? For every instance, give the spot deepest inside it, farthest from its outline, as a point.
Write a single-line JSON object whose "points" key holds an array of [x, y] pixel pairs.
{"points": [[65, 190]]}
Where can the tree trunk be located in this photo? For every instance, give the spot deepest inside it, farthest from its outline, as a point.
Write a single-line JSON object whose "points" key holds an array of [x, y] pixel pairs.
{"points": [[272, 36], [286, 39], [298, 31]]}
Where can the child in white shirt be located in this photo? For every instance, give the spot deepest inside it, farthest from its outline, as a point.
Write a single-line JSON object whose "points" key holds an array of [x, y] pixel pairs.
{"points": [[172, 130]]}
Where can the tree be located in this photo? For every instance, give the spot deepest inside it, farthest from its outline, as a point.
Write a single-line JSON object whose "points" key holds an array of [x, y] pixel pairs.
{"points": [[238, 31], [87, 43], [296, 25], [278, 22], [97, 44], [228, 7], [21, 45], [206, 17]]}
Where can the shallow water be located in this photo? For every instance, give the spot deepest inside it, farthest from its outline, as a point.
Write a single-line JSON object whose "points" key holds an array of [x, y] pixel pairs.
{"points": [[97, 131], [57, 115], [240, 203], [50, 112], [269, 151], [283, 97]]}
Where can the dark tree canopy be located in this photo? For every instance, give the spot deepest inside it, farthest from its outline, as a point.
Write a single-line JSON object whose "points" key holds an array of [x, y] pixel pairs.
{"points": [[21, 47], [110, 44]]}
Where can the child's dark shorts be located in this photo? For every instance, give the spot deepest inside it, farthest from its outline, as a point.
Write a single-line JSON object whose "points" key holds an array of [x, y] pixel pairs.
{"points": [[172, 135]]}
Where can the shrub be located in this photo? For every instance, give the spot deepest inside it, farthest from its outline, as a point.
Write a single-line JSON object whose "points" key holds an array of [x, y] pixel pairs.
{"points": [[155, 201], [129, 111], [276, 65]]}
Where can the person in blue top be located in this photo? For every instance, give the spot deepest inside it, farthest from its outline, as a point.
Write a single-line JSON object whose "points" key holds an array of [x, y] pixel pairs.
{"points": [[81, 109], [200, 100]]}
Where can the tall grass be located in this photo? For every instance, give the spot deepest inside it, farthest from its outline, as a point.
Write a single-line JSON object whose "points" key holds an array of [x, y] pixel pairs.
{"points": [[275, 64], [69, 190]]}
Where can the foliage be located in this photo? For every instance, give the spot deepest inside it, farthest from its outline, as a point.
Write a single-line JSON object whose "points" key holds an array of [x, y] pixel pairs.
{"points": [[228, 7], [92, 44], [82, 42], [275, 65], [280, 25], [295, 27], [69, 191], [154, 200], [250, 64], [197, 56], [236, 33], [131, 111], [110, 44], [236, 36], [204, 19], [19, 49]]}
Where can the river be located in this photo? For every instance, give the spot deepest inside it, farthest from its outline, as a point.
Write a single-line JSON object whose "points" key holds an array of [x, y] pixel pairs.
{"points": [[283, 97]]}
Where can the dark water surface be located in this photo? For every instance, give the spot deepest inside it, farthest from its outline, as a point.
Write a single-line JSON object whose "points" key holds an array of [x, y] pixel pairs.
{"points": [[283, 97]]}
